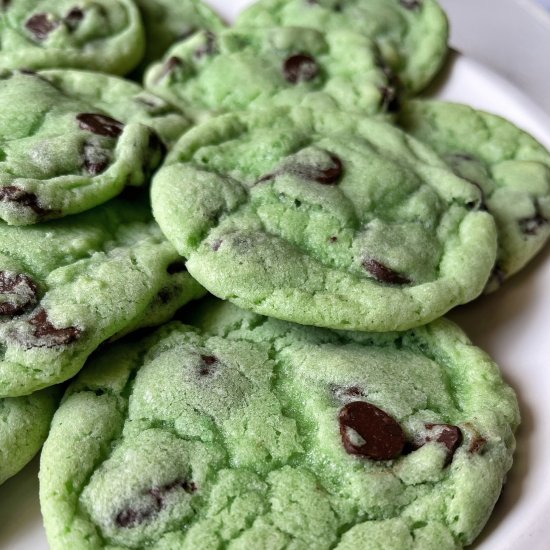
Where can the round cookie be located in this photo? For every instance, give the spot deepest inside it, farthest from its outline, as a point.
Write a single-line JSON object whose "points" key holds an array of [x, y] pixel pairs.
{"points": [[67, 286], [122, 99], [238, 69], [510, 167], [324, 219], [61, 154], [24, 425], [101, 35], [264, 434], [168, 21], [411, 34]]}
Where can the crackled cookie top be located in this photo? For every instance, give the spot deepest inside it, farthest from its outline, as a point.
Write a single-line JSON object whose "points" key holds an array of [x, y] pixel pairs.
{"points": [[24, 425], [169, 21], [68, 285], [411, 34], [264, 434], [324, 219], [242, 68], [62, 152], [102, 35], [508, 165]]}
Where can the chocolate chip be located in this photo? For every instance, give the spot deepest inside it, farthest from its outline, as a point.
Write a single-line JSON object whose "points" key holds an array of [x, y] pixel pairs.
{"points": [[411, 4], [477, 444], [368, 431], [23, 198], [300, 68], [73, 18], [209, 363], [384, 274], [333, 239], [172, 63], [130, 517], [176, 267], [209, 47], [531, 226], [329, 175], [52, 336], [216, 245], [390, 99], [99, 124], [96, 160], [448, 435], [41, 25], [5, 4], [19, 291], [345, 393]]}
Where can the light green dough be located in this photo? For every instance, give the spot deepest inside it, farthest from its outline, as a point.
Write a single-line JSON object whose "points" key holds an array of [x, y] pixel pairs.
{"points": [[69, 285], [413, 42], [510, 167], [24, 425], [60, 154], [324, 219], [241, 69], [231, 438], [101, 35]]}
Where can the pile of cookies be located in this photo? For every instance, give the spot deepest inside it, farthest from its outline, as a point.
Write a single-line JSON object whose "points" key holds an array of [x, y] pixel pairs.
{"points": [[151, 155]]}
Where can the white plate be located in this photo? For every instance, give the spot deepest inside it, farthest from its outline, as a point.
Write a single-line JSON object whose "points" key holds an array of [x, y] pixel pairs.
{"points": [[511, 325]]}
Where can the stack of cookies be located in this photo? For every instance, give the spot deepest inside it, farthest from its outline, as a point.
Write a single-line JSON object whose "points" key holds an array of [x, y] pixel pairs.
{"points": [[316, 399]]}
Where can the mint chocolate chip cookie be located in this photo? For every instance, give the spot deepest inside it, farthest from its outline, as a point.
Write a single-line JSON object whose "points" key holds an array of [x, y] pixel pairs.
{"points": [[24, 425], [255, 433], [67, 286], [169, 21], [123, 99], [240, 69], [324, 219], [411, 34], [510, 167], [101, 35], [63, 152]]}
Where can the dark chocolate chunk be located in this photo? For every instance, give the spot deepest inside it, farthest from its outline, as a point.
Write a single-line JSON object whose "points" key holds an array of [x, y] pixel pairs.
{"points": [[23, 198], [209, 365], [531, 226], [216, 245], [41, 25], [411, 4], [171, 64], [209, 47], [368, 431], [390, 99], [176, 267], [448, 435], [333, 239], [73, 18], [96, 160], [477, 445], [130, 517], [99, 124], [50, 335], [383, 273], [300, 68], [19, 292], [329, 175]]}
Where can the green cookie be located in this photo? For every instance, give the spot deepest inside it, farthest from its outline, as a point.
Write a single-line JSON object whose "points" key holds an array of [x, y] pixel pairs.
{"points": [[61, 154], [69, 285], [324, 219], [101, 35], [24, 425], [262, 434], [240, 69], [411, 34], [122, 99], [168, 21], [510, 167]]}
